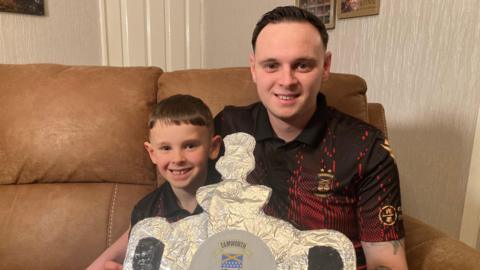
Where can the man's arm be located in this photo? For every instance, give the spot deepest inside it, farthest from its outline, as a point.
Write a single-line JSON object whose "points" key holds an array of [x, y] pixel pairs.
{"points": [[112, 256], [385, 255]]}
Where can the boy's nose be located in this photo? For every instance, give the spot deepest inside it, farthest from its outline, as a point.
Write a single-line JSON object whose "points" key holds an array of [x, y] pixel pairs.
{"points": [[178, 156]]}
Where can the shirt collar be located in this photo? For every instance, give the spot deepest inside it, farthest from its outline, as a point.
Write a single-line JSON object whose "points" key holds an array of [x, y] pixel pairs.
{"points": [[310, 134], [172, 209], [263, 128]]}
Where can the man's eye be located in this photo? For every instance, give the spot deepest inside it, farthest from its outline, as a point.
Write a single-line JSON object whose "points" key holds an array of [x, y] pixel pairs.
{"points": [[304, 67], [269, 67]]}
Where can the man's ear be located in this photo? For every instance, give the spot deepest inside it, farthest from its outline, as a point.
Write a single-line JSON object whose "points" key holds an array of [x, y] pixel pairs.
{"points": [[148, 146], [327, 62], [215, 146], [252, 66]]}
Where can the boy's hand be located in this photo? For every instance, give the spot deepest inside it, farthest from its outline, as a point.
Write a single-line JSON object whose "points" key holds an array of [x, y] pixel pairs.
{"points": [[111, 265]]}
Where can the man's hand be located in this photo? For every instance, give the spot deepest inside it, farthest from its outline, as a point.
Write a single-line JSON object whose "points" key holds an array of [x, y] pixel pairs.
{"points": [[111, 265], [385, 255]]}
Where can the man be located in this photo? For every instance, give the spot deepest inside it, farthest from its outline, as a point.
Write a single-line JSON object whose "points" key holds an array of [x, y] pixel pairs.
{"points": [[327, 170]]}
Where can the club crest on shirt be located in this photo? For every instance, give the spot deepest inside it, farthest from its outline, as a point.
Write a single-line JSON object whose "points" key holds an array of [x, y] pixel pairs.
{"points": [[324, 185], [388, 215]]}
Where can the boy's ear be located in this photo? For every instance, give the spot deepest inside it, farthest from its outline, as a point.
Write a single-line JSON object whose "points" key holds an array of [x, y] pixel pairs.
{"points": [[215, 146], [149, 149]]}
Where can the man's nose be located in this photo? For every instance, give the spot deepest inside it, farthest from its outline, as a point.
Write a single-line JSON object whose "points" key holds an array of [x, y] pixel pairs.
{"points": [[287, 77]]}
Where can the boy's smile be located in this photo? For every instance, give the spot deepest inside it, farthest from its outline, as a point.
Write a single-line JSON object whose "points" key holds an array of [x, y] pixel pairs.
{"points": [[181, 153]]}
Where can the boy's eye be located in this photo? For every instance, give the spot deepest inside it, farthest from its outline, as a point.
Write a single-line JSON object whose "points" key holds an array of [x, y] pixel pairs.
{"points": [[164, 148], [191, 146]]}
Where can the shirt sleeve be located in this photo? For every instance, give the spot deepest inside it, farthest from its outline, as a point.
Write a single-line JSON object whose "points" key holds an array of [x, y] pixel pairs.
{"points": [[379, 208]]}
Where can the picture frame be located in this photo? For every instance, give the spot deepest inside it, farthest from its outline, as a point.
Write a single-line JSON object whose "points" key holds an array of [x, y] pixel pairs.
{"points": [[32, 7], [323, 9], [357, 8]]}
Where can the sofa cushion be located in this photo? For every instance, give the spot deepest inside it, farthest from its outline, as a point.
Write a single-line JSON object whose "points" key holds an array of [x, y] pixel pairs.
{"points": [[75, 123], [213, 86], [343, 91], [62, 226]]}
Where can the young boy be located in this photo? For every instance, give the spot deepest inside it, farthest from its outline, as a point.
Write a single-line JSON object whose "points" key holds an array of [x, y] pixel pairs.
{"points": [[181, 141]]}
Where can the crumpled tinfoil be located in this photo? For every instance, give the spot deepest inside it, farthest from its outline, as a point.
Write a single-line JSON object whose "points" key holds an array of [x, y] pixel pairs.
{"points": [[232, 204]]}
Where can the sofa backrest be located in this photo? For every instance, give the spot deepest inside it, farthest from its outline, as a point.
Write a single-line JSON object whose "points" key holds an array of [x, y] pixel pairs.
{"points": [[75, 124], [72, 162], [234, 86]]}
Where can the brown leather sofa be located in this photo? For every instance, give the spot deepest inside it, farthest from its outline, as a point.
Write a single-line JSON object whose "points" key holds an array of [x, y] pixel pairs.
{"points": [[72, 163]]}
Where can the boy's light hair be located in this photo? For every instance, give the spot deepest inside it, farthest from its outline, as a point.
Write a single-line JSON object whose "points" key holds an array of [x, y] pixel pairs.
{"points": [[181, 109]]}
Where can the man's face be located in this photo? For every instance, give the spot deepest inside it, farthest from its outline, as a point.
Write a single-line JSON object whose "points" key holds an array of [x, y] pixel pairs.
{"points": [[288, 67]]}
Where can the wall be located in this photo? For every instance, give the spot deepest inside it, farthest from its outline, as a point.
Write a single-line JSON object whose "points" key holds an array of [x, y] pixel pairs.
{"points": [[228, 26], [68, 34], [420, 59]]}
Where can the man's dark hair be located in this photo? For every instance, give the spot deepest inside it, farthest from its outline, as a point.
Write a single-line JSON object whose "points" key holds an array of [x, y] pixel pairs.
{"points": [[290, 14], [182, 109]]}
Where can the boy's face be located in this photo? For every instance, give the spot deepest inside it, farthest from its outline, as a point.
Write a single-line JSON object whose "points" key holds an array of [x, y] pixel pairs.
{"points": [[181, 153], [288, 67]]}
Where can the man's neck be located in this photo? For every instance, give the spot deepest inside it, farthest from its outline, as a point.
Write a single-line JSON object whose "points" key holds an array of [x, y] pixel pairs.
{"points": [[284, 130], [288, 130]]}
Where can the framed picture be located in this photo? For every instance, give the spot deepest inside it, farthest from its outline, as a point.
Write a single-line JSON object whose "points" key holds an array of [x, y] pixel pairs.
{"points": [[34, 7], [324, 9], [357, 8]]}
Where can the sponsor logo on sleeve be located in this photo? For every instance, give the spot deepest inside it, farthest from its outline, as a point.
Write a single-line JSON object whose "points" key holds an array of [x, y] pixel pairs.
{"points": [[387, 147], [388, 215]]}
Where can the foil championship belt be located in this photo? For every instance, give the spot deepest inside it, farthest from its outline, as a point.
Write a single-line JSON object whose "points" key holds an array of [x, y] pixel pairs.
{"points": [[233, 232]]}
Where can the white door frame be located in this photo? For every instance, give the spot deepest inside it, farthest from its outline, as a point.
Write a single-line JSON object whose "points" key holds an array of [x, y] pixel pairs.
{"points": [[164, 33], [469, 231]]}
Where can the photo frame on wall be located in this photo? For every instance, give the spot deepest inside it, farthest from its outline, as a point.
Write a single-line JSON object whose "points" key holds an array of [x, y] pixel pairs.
{"points": [[33, 7], [324, 9], [357, 8]]}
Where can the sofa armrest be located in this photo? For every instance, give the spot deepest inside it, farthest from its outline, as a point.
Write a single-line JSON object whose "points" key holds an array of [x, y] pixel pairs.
{"points": [[428, 248]]}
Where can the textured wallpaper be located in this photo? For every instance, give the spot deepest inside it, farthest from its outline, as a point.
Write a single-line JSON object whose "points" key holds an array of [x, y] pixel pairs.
{"points": [[68, 34], [421, 59]]}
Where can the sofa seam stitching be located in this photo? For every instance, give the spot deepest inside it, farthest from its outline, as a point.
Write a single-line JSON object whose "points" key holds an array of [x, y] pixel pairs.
{"points": [[384, 121], [111, 214]]}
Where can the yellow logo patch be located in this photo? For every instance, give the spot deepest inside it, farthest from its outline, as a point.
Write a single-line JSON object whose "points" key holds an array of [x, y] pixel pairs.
{"points": [[388, 215], [324, 185]]}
